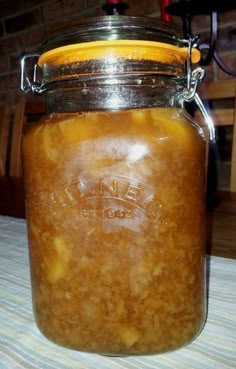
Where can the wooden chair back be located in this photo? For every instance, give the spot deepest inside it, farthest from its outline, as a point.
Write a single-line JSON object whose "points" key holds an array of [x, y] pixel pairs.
{"points": [[223, 90], [12, 126], [15, 169], [4, 133]]}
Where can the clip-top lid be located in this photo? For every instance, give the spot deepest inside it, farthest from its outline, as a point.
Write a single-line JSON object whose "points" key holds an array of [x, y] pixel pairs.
{"points": [[139, 38]]}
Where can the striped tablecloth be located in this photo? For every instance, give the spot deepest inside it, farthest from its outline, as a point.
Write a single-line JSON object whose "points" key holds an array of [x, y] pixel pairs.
{"points": [[22, 345]]}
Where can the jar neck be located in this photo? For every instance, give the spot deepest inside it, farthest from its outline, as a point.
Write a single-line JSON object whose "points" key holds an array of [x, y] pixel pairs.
{"points": [[115, 93]]}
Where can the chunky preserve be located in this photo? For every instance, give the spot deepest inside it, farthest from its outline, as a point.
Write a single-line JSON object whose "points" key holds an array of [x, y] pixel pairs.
{"points": [[115, 210]]}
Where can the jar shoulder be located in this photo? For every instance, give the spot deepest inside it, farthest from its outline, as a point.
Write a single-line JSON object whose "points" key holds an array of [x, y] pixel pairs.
{"points": [[153, 122]]}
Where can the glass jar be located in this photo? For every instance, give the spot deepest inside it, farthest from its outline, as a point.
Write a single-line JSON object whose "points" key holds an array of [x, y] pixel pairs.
{"points": [[115, 191]]}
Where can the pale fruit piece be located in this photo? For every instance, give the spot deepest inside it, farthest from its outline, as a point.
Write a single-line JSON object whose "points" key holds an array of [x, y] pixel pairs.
{"points": [[56, 270], [57, 264], [72, 130], [129, 335], [139, 116], [172, 125], [62, 248], [78, 129], [51, 145]]}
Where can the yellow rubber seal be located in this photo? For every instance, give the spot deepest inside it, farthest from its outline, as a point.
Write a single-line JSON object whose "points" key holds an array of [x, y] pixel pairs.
{"points": [[114, 49]]}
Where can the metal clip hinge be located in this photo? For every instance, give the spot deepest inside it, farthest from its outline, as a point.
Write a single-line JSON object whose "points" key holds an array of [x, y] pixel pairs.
{"points": [[25, 83], [191, 94], [194, 77]]}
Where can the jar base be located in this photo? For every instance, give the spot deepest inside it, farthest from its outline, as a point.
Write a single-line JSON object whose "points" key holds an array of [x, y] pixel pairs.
{"points": [[129, 352]]}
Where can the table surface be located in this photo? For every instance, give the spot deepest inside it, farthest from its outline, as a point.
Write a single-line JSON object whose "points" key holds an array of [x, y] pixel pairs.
{"points": [[23, 346]]}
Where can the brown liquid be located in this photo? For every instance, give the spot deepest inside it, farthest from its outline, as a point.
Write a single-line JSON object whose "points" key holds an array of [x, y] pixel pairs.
{"points": [[115, 208]]}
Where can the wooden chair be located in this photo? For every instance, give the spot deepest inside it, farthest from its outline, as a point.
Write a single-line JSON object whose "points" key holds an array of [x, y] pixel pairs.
{"points": [[4, 133], [12, 125], [223, 90]]}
